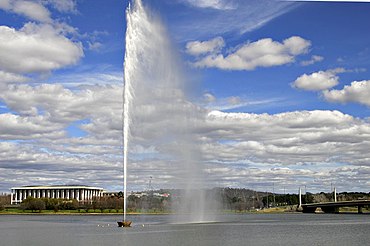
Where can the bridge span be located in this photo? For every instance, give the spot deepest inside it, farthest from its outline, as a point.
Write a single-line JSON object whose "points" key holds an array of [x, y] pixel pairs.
{"points": [[333, 207]]}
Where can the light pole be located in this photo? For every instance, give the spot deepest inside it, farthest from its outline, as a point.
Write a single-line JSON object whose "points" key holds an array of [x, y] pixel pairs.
{"points": [[273, 193], [305, 194]]}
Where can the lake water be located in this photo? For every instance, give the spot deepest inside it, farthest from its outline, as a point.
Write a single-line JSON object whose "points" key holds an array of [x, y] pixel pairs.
{"points": [[246, 229]]}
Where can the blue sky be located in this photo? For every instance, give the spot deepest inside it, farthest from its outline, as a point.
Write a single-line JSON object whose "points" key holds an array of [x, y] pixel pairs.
{"points": [[285, 87]]}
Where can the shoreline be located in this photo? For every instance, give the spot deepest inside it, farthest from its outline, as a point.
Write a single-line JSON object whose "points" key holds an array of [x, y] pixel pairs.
{"points": [[77, 213], [277, 210]]}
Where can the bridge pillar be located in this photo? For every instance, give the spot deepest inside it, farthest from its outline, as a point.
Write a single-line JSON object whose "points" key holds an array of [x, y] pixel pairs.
{"points": [[330, 210], [308, 209], [359, 209]]}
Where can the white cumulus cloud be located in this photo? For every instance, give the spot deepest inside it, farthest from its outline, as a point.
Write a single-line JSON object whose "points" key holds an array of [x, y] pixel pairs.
{"points": [[261, 53], [313, 60], [30, 9], [358, 92], [36, 48], [318, 81], [33, 127], [6, 78], [211, 46]]}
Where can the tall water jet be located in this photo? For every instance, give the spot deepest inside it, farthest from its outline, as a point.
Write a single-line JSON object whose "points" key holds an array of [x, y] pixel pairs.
{"points": [[158, 118]]}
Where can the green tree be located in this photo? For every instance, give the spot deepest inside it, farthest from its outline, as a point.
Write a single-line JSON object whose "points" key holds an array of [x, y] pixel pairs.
{"points": [[33, 204]]}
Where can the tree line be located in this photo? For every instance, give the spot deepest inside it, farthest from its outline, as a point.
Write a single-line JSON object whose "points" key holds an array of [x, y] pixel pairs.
{"points": [[234, 199]]}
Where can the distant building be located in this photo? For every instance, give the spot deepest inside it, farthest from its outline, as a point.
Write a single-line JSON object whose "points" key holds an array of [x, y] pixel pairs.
{"points": [[80, 193]]}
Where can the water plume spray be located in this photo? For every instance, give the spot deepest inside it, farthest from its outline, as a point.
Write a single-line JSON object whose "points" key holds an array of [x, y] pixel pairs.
{"points": [[157, 113]]}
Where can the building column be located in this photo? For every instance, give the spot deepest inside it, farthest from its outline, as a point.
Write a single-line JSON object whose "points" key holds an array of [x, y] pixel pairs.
{"points": [[15, 196], [42, 193], [11, 196], [83, 195]]}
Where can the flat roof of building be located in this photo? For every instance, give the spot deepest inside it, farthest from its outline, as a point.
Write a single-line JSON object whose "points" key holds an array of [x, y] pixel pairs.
{"points": [[39, 187]]}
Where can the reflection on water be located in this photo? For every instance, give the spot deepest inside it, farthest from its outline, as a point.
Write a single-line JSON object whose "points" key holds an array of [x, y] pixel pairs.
{"points": [[250, 229]]}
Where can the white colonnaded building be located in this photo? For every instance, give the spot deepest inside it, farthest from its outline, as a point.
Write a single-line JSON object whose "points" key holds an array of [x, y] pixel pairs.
{"points": [[80, 193]]}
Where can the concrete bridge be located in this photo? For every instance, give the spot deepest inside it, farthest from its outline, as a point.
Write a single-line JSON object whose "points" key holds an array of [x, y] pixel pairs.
{"points": [[333, 207]]}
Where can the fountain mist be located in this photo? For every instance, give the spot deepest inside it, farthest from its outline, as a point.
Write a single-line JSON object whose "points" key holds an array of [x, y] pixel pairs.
{"points": [[157, 114]]}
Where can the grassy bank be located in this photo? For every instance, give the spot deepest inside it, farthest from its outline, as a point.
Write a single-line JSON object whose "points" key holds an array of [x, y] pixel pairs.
{"points": [[79, 212], [276, 210]]}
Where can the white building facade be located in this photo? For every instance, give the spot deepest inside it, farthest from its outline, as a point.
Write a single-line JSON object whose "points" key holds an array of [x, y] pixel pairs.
{"points": [[80, 193]]}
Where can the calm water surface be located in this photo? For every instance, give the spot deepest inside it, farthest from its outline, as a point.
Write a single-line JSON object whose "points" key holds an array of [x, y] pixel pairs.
{"points": [[249, 229]]}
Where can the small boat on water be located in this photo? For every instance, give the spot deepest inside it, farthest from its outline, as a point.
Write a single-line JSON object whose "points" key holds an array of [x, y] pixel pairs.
{"points": [[124, 223]]}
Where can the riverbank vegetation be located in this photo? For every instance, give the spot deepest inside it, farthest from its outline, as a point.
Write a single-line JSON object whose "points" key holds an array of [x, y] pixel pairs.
{"points": [[153, 202]]}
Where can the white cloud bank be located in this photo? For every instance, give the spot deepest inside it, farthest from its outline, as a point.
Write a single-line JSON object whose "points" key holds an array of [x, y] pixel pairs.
{"points": [[288, 148], [261, 53]]}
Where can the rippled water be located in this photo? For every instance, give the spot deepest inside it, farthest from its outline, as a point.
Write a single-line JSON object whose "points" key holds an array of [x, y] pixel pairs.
{"points": [[249, 229]]}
